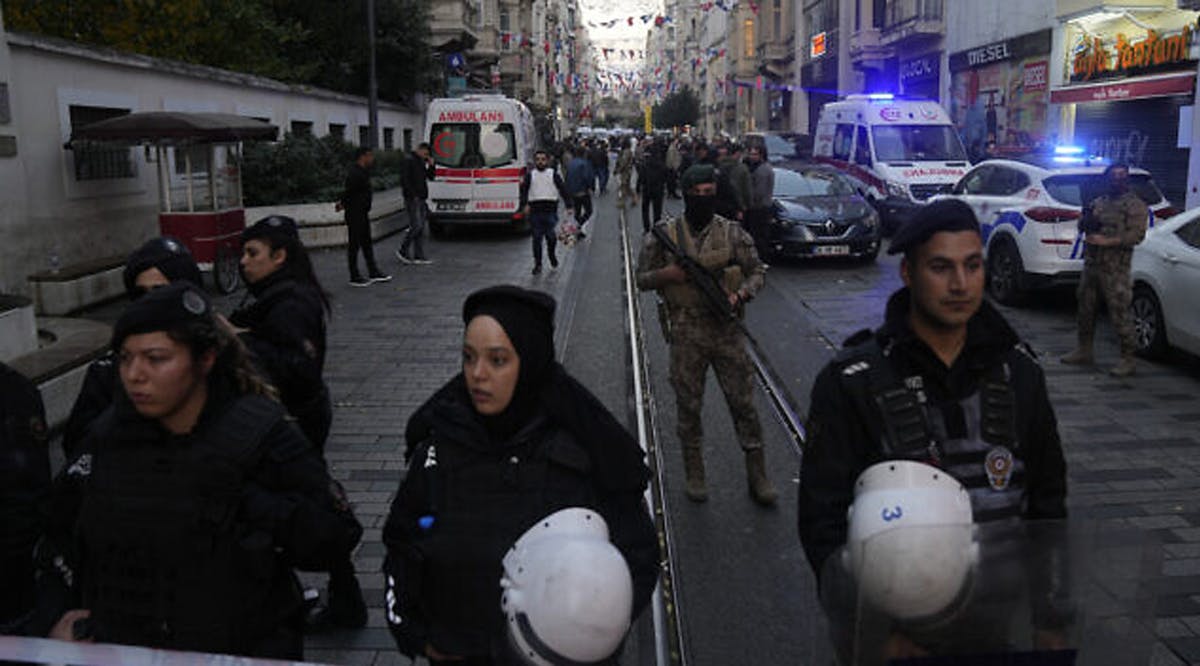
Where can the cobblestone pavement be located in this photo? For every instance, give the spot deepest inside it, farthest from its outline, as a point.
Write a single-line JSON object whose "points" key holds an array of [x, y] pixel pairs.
{"points": [[1132, 445]]}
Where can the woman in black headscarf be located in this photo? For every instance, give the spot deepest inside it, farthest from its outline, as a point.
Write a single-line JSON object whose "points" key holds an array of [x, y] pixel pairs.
{"points": [[509, 440]]}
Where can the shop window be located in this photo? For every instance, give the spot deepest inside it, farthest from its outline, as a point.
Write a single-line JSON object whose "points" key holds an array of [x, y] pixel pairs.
{"points": [[97, 161]]}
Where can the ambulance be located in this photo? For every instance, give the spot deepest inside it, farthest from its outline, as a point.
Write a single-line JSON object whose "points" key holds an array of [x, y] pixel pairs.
{"points": [[899, 152], [481, 146]]}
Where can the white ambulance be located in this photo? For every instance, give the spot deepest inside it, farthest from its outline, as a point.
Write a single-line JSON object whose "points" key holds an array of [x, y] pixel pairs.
{"points": [[481, 146], [899, 152]]}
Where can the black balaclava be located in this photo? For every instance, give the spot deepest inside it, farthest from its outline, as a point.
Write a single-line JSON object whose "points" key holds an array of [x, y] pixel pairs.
{"points": [[527, 317], [698, 209]]}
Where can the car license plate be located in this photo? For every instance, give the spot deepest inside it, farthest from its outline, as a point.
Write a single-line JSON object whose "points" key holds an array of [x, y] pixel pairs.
{"points": [[831, 250], [451, 205]]}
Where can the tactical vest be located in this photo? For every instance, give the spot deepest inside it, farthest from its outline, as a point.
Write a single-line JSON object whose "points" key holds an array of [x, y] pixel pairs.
{"points": [[908, 426], [478, 504], [714, 253], [166, 562]]}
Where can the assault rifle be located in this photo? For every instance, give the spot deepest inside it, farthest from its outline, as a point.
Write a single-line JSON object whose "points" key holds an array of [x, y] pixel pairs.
{"points": [[717, 300]]}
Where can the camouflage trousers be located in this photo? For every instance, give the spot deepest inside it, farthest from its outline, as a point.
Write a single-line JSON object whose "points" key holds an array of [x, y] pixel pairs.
{"points": [[1106, 272], [696, 343]]}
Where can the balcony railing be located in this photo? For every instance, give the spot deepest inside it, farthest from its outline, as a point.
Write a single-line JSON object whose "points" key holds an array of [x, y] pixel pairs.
{"points": [[907, 18]]}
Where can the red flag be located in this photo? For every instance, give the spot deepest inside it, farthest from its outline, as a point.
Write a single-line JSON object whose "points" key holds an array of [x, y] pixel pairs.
{"points": [[630, 20], [546, 47]]}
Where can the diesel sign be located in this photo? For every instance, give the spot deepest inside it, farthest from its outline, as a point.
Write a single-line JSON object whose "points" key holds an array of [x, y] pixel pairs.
{"points": [[1017, 48]]}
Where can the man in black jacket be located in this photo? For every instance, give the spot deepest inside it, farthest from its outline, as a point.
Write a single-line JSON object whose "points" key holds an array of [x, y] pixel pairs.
{"points": [[945, 381], [418, 171], [356, 201]]}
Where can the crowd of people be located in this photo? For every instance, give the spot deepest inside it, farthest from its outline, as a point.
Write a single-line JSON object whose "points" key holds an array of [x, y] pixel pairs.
{"points": [[195, 484]]}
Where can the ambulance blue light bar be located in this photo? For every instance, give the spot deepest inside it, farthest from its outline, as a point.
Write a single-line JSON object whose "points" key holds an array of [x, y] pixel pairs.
{"points": [[1068, 150], [881, 97]]}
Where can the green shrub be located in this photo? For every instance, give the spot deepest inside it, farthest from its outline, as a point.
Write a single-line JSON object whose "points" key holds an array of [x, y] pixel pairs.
{"points": [[306, 169]]}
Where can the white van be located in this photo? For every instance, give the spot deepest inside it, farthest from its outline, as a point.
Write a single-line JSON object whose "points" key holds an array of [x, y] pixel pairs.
{"points": [[899, 152], [481, 146]]}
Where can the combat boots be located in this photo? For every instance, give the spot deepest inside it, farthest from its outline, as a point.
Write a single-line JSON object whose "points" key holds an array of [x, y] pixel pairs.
{"points": [[693, 468], [1081, 356], [1125, 367], [756, 476]]}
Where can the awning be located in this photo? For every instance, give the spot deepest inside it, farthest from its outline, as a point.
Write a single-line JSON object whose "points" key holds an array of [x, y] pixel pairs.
{"points": [[173, 127], [1178, 83]]}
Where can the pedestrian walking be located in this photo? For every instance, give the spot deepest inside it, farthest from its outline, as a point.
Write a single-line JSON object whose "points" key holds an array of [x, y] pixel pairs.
{"points": [[1113, 225], [697, 337], [283, 327], [541, 189], [760, 208], [356, 202], [418, 171], [158, 262], [599, 158], [674, 163], [179, 522], [624, 170], [734, 171], [24, 490], [509, 440], [579, 180], [651, 185], [946, 381]]}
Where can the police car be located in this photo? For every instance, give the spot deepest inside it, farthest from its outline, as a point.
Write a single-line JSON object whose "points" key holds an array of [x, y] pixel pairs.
{"points": [[1028, 211]]}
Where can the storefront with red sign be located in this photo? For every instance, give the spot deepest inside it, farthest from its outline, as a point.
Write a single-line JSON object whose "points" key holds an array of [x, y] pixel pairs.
{"points": [[999, 93], [1126, 87]]}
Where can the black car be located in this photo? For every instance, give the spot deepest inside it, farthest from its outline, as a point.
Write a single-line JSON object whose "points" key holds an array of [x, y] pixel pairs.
{"points": [[818, 213]]}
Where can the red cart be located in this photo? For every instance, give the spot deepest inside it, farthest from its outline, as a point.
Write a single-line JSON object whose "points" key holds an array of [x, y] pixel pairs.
{"points": [[200, 200]]}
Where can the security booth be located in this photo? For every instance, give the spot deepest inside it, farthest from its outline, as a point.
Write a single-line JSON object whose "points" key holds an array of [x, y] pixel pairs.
{"points": [[198, 158]]}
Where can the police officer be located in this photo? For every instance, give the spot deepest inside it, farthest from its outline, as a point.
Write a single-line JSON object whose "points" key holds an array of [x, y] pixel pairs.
{"points": [[284, 329], [1120, 220], [179, 521], [24, 488], [159, 261], [508, 441], [698, 338], [945, 381]]}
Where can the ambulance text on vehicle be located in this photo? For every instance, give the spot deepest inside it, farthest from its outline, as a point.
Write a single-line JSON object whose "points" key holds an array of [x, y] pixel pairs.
{"points": [[481, 146], [900, 152]]}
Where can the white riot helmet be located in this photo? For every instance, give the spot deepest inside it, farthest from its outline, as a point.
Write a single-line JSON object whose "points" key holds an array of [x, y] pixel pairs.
{"points": [[910, 544], [567, 593]]}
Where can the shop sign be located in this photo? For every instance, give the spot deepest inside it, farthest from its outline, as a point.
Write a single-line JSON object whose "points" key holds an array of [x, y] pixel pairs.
{"points": [[920, 69], [1094, 59], [1017, 48], [816, 48], [1181, 84], [1036, 76]]}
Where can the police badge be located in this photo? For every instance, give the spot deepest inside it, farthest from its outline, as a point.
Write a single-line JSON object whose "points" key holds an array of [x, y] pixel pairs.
{"points": [[999, 466]]}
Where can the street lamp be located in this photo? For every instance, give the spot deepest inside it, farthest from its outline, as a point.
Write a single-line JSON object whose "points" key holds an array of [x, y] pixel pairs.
{"points": [[372, 84]]}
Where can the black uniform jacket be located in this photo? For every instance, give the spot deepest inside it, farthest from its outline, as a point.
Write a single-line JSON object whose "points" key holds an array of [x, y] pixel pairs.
{"points": [[443, 581], [356, 195], [843, 442], [287, 499], [24, 490], [286, 335], [100, 382], [414, 179]]}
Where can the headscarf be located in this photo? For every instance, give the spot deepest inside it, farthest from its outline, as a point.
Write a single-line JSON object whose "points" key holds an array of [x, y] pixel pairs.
{"points": [[543, 388]]}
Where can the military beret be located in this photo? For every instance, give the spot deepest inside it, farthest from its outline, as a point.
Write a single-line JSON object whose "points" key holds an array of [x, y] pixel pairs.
{"points": [[162, 309], [166, 254], [942, 215], [273, 227], [696, 174]]}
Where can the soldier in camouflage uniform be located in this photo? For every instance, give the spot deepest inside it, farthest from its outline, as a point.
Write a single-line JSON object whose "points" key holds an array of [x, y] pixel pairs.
{"points": [[1114, 224], [697, 337]]}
